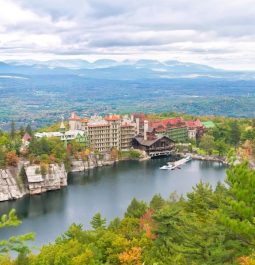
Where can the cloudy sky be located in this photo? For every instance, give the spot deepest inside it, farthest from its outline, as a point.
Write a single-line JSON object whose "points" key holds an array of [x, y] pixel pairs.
{"points": [[220, 33]]}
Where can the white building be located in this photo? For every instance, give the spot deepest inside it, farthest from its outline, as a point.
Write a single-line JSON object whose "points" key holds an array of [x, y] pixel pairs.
{"points": [[68, 135]]}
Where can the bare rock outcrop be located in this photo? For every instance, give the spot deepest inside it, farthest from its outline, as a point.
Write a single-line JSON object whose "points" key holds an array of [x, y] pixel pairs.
{"points": [[14, 184], [11, 186], [54, 179]]}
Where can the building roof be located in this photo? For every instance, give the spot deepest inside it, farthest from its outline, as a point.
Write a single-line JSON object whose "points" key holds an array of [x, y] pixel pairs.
{"points": [[85, 120], [127, 124], [98, 123], [208, 124], [112, 117], [141, 140], [139, 115], [74, 117], [194, 124], [161, 126], [48, 134], [26, 137], [150, 130], [158, 128], [74, 133], [172, 121]]}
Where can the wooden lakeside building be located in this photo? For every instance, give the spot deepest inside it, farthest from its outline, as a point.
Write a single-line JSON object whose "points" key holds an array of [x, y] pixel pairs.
{"points": [[161, 145], [154, 145]]}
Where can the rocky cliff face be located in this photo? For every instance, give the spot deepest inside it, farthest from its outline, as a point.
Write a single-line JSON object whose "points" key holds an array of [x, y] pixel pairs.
{"points": [[14, 185], [79, 165], [54, 179], [10, 185]]}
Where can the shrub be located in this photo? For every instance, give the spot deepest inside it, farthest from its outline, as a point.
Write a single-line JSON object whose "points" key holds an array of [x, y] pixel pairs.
{"points": [[134, 154], [37, 171], [44, 169]]}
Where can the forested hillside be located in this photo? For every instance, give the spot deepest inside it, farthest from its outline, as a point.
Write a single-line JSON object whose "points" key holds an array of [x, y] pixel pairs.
{"points": [[44, 99]]}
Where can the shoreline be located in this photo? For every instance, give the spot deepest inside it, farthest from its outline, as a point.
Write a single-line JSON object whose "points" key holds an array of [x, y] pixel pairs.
{"points": [[54, 181], [13, 187], [209, 158]]}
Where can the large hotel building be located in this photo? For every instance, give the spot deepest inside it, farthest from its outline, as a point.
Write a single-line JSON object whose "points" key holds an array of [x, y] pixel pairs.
{"points": [[123, 132], [105, 133]]}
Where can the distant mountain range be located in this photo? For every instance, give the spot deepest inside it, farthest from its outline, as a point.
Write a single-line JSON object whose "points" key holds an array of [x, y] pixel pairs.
{"points": [[125, 70]]}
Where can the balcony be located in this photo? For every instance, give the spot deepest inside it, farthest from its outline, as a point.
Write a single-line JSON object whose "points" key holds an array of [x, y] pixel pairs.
{"points": [[156, 149]]}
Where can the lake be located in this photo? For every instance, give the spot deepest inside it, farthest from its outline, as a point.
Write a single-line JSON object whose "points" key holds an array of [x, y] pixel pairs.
{"points": [[107, 190]]}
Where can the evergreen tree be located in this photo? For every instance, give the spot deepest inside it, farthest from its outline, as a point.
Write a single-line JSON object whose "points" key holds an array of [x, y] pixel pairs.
{"points": [[235, 133], [157, 202], [13, 130], [97, 221], [2, 158], [207, 143], [115, 224], [136, 209], [21, 131], [29, 130], [238, 212], [192, 231]]}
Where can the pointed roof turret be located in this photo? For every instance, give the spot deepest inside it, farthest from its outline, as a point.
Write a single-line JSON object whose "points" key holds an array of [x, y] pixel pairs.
{"points": [[62, 127], [26, 137]]}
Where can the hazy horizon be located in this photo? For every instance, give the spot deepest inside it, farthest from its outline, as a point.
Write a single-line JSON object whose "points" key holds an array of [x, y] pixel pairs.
{"points": [[215, 33]]}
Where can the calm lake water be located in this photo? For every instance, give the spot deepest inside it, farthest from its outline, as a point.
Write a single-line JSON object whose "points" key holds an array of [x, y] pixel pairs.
{"points": [[107, 190]]}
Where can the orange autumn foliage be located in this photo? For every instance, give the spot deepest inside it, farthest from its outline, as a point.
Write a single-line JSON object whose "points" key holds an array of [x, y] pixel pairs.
{"points": [[12, 159], [131, 257], [83, 155], [246, 260], [52, 158], [114, 154], [147, 224]]}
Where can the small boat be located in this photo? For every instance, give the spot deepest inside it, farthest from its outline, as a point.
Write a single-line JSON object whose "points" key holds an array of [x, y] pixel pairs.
{"points": [[166, 167], [176, 164]]}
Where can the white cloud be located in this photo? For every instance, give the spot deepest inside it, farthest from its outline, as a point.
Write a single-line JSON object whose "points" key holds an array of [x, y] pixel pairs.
{"points": [[216, 32]]}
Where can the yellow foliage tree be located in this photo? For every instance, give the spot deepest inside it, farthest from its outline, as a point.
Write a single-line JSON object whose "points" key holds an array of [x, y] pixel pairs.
{"points": [[131, 257], [246, 260]]}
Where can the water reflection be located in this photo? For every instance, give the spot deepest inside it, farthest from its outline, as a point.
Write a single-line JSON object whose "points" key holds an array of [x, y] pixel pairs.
{"points": [[210, 164], [108, 190], [37, 205]]}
